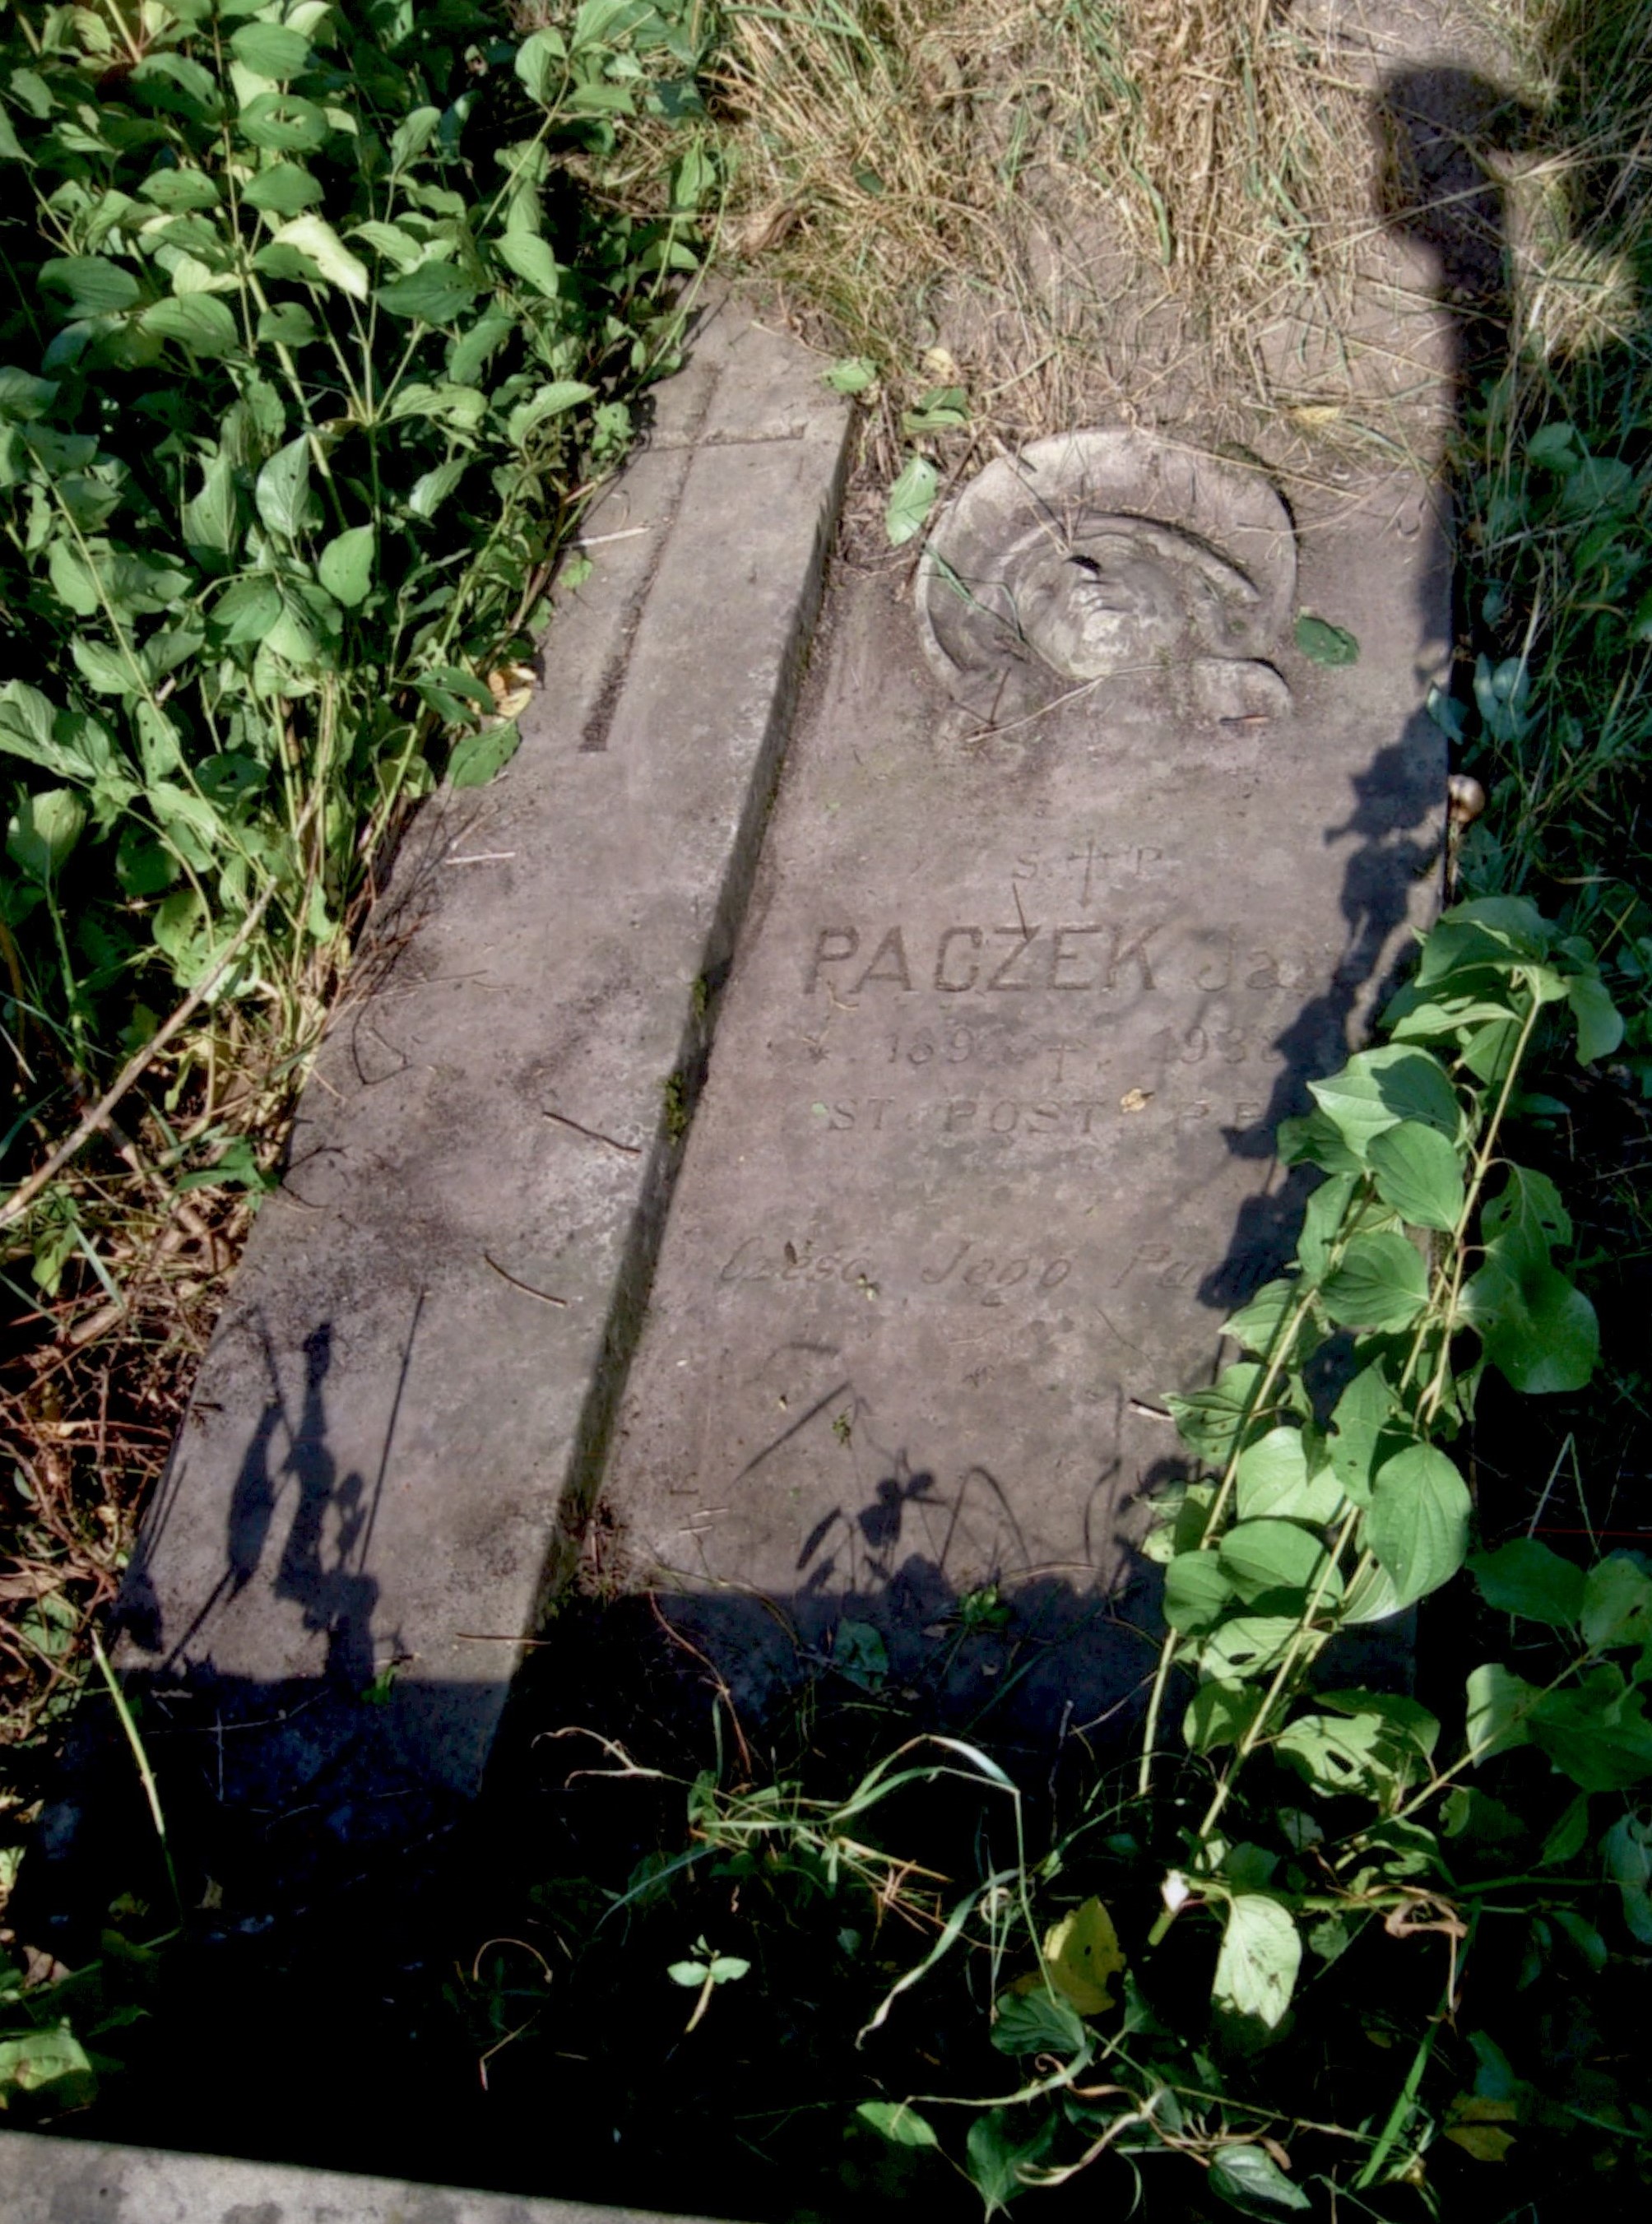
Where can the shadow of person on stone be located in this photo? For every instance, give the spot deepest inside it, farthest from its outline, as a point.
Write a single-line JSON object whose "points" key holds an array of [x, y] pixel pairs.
{"points": [[1436, 129], [1392, 821], [316, 1571]]}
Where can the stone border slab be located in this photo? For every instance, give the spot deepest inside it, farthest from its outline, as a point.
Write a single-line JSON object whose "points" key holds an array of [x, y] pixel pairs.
{"points": [[49, 2181], [413, 1373]]}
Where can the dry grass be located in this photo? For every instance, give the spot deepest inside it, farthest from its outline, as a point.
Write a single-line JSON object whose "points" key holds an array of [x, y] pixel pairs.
{"points": [[1087, 209]]}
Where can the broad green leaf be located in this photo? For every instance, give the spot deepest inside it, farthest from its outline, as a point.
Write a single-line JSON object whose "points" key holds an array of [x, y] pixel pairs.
{"points": [[1567, 1837], [43, 831], [436, 293], [269, 51], [1408, 1719], [1626, 1850], [32, 729], [1371, 1595], [1525, 1577], [1340, 1754], [1219, 1714], [1597, 1731], [851, 374], [345, 566], [1417, 1522], [430, 491], [1000, 2144], [1474, 1818], [1272, 1478], [463, 407], [289, 325], [1600, 1024], [859, 1652], [1362, 1417], [315, 236], [1260, 1557], [106, 670], [540, 60], [1418, 1173], [1377, 1089], [1197, 1591], [530, 257], [1616, 1604], [910, 500], [1082, 1956], [284, 189], [1249, 2179], [693, 181], [91, 285], [1037, 2022], [898, 2122], [1209, 1422], [180, 189], [1261, 1953], [283, 123], [390, 241], [1322, 1222], [1500, 931], [211, 520], [1255, 1326], [50, 2061], [282, 488], [1539, 1330], [416, 130], [1382, 1283], [1528, 1213], [552, 399], [246, 610], [200, 322], [1249, 1644], [469, 354], [1499, 1709], [1313, 1139], [1324, 643], [478, 755], [944, 409], [1489, 1053]]}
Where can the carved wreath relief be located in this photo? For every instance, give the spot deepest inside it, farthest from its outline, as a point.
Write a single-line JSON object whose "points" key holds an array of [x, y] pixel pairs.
{"points": [[1115, 563]]}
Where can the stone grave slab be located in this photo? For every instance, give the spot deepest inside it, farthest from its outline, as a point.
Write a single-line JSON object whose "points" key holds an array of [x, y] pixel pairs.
{"points": [[416, 1363], [1061, 906], [60, 2181]]}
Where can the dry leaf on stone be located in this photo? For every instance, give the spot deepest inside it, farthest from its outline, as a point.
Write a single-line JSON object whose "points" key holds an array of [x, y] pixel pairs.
{"points": [[512, 688], [1135, 1100]]}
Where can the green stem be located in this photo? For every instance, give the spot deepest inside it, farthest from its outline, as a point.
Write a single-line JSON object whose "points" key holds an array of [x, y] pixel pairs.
{"points": [[146, 1774]]}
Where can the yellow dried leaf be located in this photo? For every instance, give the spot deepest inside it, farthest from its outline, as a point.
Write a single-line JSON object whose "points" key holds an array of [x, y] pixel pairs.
{"points": [[512, 688], [1081, 1953], [1484, 2141]]}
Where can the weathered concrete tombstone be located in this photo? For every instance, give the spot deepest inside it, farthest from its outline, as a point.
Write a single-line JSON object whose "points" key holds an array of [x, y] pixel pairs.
{"points": [[1055, 921]]}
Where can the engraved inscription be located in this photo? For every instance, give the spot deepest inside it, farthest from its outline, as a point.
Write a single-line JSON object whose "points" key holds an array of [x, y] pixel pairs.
{"points": [[964, 959], [966, 1270], [1001, 1117]]}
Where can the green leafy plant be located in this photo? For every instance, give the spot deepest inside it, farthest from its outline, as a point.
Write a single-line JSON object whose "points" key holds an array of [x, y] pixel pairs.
{"points": [[314, 347]]}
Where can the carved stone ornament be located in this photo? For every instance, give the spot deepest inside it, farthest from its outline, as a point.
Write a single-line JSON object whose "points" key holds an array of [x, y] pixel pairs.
{"points": [[1116, 566]]}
